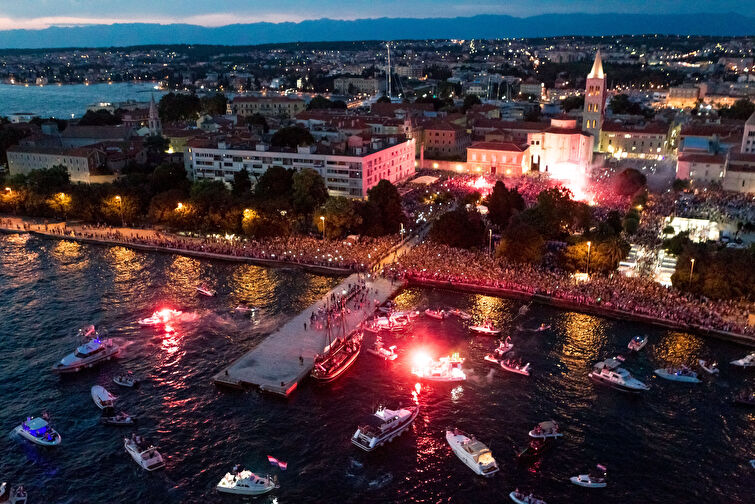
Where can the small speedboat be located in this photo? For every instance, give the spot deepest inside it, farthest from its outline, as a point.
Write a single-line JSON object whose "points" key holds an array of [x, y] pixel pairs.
{"points": [[682, 374], [143, 453], [542, 327], [521, 498], [160, 317], [609, 372], [38, 431], [436, 314], [637, 343], [95, 351], [126, 380], [545, 430], [205, 290], [379, 349], [12, 495], [709, 367], [745, 362], [102, 398], [745, 398], [492, 358], [445, 369], [486, 329], [383, 426], [110, 417], [243, 309], [591, 480], [516, 366], [475, 454], [503, 347], [246, 483], [534, 449], [460, 313]]}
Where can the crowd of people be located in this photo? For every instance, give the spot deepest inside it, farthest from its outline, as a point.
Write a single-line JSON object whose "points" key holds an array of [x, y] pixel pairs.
{"points": [[614, 292], [351, 254], [719, 206]]}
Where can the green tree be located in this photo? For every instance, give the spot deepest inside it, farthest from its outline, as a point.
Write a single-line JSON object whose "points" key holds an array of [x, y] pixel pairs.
{"points": [[213, 105], [120, 208], [385, 204], [741, 109], [470, 101], [178, 107], [680, 185], [309, 191], [629, 182], [341, 217], [604, 255], [677, 243], [499, 205], [275, 184], [459, 228], [383, 99], [572, 102], [168, 176], [100, 117], [47, 181], [162, 205], [320, 102], [258, 121], [521, 242], [242, 184], [292, 137], [9, 136]]}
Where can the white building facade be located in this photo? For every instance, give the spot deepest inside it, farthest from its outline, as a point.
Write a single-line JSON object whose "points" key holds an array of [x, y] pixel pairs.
{"points": [[350, 175]]}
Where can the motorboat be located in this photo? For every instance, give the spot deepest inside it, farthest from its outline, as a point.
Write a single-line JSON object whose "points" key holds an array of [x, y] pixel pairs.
{"points": [[542, 327], [445, 369], [637, 343], [521, 498], [246, 483], [460, 314], [39, 431], [337, 358], [110, 417], [492, 358], [609, 372], [516, 366], [243, 309], [745, 362], [436, 314], [93, 352], [534, 449], [12, 495], [126, 380], [503, 347], [709, 367], [545, 430], [592, 479], [102, 398], [205, 290], [160, 317], [379, 349], [745, 398], [383, 426], [143, 453], [682, 374], [474, 453], [486, 329]]}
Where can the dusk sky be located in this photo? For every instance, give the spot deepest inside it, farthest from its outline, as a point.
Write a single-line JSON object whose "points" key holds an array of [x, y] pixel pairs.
{"points": [[43, 13]]}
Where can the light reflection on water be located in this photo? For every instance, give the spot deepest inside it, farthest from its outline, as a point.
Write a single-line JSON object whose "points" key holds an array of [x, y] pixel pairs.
{"points": [[672, 433]]}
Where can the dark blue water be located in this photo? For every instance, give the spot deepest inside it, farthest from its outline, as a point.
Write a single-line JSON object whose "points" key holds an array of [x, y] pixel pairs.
{"points": [[676, 443]]}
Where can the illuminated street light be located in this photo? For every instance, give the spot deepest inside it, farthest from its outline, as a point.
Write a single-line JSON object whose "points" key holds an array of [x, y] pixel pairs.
{"points": [[179, 206], [589, 245], [691, 268], [120, 208], [322, 218]]}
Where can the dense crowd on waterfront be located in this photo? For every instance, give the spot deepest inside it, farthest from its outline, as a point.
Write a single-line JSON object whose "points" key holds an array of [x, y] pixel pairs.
{"points": [[352, 254], [631, 295]]}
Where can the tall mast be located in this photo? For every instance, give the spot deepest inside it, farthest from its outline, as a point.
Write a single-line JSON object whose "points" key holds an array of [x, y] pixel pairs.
{"points": [[390, 92]]}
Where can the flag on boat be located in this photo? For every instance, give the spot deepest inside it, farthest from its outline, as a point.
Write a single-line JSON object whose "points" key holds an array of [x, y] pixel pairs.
{"points": [[279, 463]]}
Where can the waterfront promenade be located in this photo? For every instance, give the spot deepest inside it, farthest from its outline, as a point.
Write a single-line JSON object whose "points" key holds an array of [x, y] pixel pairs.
{"points": [[285, 357]]}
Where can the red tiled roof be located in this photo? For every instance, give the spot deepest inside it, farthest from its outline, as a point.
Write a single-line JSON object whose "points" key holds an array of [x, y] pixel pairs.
{"points": [[703, 158], [654, 128], [498, 146]]}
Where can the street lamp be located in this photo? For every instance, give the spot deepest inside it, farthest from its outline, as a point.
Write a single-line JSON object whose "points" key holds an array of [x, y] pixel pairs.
{"points": [[179, 206], [490, 242], [402, 231], [691, 268], [322, 218], [120, 208], [9, 190], [589, 245]]}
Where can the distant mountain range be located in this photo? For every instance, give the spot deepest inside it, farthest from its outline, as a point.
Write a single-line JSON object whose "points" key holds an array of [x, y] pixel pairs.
{"points": [[483, 26]]}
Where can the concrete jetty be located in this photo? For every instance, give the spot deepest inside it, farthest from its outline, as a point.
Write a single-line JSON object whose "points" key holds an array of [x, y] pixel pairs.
{"points": [[274, 365]]}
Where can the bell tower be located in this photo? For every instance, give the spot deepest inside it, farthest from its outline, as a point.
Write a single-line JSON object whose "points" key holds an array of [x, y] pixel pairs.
{"points": [[155, 127], [595, 101]]}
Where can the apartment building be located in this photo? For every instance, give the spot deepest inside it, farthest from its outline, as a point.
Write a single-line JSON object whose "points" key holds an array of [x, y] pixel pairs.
{"points": [[268, 106]]}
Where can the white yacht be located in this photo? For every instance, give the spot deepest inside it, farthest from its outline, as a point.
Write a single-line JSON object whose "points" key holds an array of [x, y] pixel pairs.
{"points": [[102, 398], [486, 329], [545, 430], [445, 369], [682, 374], [593, 479], [126, 380], [143, 453], [609, 372], [383, 426], [38, 431], [745, 362], [91, 353], [472, 452], [246, 483]]}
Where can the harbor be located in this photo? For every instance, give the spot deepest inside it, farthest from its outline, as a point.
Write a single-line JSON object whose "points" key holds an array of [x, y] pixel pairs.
{"points": [[285, 358]]}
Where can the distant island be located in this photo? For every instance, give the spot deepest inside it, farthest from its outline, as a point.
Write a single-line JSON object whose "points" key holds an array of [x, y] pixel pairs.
{"points": [[477, 27]]}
